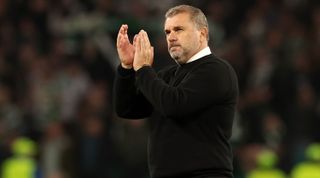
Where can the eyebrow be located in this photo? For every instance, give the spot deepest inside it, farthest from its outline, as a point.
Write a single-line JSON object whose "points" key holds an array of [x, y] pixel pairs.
{"points": [[174, 28]]}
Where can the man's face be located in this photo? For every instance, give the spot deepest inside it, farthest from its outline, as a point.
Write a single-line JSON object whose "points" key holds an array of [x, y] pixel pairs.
{"points": [[183, 38]]}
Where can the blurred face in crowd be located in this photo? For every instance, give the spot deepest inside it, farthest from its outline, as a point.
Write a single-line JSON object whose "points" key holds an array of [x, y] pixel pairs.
{"points": [[184, 39]]}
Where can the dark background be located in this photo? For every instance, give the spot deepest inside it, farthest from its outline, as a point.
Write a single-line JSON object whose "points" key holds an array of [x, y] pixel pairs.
{"points": [[57, 63]]}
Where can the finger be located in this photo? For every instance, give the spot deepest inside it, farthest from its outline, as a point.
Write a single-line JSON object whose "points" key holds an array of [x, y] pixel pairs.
{"points": [[137, 43], [149, 51], [141, 43], [125, 28], [146, 39], [141, 47], [146, 43], [121, 41], [121, 34], [125, 32], [135, 40]]}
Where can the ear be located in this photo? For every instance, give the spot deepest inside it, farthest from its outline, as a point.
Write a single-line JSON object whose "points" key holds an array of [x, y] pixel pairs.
{"points": [[204, 33]]}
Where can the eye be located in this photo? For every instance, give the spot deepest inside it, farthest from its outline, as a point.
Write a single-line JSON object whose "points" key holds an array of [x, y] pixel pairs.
{"points": [[178, 29]]}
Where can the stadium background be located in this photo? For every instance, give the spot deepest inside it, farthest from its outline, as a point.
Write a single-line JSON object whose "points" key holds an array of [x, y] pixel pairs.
{"points": [[57, 63]]}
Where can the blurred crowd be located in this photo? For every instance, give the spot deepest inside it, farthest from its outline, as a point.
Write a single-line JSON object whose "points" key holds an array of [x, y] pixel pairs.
{"points": [[58, 60]]}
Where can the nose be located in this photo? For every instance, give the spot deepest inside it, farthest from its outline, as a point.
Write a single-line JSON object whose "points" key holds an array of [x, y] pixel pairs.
{"points": [[172, 37]]}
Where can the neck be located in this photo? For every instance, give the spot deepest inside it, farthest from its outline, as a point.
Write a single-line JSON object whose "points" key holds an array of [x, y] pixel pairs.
{"points": [[203, 52]]}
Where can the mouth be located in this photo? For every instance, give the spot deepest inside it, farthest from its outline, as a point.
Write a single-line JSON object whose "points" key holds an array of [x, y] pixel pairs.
{"points": [[174, 46]]}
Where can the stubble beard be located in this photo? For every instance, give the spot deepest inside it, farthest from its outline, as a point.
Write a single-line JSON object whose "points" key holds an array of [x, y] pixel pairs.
{"points": [[178, 56]]}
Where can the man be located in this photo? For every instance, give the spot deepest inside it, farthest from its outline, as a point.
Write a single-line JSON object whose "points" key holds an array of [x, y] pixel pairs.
{"points": [[191, 106]]}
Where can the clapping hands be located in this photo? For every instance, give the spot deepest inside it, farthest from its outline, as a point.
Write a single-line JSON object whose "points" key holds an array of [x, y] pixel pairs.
{"points": [[135, 55]]}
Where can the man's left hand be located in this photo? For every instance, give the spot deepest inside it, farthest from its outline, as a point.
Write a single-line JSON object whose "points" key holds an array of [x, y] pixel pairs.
{"points": [[143, 51]]}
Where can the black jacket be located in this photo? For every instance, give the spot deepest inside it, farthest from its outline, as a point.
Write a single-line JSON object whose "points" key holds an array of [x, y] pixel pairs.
{"points": [[191, 108]]}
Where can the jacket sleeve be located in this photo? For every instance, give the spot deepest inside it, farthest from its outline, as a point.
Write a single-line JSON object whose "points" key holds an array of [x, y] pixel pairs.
{"points": [[208, 84], [128, 101]]}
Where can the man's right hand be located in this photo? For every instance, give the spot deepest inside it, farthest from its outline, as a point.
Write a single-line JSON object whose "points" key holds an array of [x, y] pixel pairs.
{"points": [[125, 48]]}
